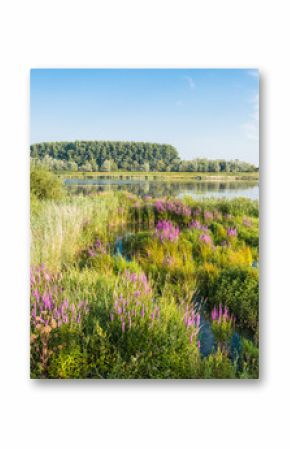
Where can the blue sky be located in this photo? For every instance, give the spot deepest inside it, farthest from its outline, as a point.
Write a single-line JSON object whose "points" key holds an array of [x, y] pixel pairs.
{"points": [[209, 113]]}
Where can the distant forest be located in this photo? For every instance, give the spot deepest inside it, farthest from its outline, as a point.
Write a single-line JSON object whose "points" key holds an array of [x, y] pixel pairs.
{"points": [[127, 156]]}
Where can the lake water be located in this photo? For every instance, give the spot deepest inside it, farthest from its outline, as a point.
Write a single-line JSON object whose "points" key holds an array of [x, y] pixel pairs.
{"points": [[159, 188]]}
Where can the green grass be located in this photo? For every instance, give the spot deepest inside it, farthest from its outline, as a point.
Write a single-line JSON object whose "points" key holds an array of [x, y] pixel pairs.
{"points": [[61, 229]]}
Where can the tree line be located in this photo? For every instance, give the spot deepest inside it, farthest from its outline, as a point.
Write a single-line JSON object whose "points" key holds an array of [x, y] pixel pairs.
{"points": [[127, 156]]}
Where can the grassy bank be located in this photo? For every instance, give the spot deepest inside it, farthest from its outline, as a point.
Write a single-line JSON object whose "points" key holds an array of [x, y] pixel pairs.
{"points": [[168, 176]]}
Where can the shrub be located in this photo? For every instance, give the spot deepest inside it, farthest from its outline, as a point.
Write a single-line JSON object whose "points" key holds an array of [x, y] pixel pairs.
{"points": [[238, 289], [250, 236], [250, 360], [70, 363], [218, 366], [222, 326], [45, 185]]}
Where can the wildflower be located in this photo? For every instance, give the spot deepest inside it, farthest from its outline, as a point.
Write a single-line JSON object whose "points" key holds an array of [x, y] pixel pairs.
{"points": [[47, 307], [143, 311], [191, 320], [206, 239], [232, 232], [92, 253], [176, 207], [221, 314], [46, 277], [208, 215], [165, 230], [197, 225]]}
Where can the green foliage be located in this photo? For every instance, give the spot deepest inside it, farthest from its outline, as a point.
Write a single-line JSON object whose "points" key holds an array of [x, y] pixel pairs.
{"points": [[130, 156], [177, 272], [238, 289], [218, 366], [45, 185], [250, 236], [108, 156], [222, 331], [159, 350], [68, 364], [250, 360]]}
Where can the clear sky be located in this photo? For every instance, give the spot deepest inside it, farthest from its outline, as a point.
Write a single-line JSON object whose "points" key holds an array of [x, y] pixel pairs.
{"points": [[211, 113]]}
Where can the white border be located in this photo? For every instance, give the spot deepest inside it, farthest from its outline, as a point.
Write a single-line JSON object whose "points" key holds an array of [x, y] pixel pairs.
{"points": [[218, 414]]}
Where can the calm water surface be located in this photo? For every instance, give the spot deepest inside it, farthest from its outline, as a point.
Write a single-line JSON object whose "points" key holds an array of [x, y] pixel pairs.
{"points": [[159, 188]]}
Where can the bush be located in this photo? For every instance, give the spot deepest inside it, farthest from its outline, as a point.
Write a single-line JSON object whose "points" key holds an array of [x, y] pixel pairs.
{"points": [[45, 185], [238, 289], [68, 364], [218, 366], [250, 236], [250, 360]]}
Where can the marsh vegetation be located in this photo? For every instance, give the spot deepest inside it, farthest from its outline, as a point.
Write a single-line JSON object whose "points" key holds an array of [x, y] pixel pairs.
{"points": [[130, 286]]}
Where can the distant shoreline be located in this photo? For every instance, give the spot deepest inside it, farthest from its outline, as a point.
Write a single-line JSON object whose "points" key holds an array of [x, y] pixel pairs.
{"points": [[189, 176]]}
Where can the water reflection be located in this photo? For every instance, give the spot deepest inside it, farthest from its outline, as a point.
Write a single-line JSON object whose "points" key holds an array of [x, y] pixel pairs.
{"points": [[158, 188]]}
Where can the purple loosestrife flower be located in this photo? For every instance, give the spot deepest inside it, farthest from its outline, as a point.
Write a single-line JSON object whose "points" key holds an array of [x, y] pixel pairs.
{"points": [[195, 224], [48, 307], [176, 207], [160, 205], [232, 232], [221, 315], [205, 238], [191, 320], [97, 248], [143, 311], [36, 294], [32, 279], [133, 277], [208, 215], [46, 277], [92, 253], [214, 314], [165, 230]]}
